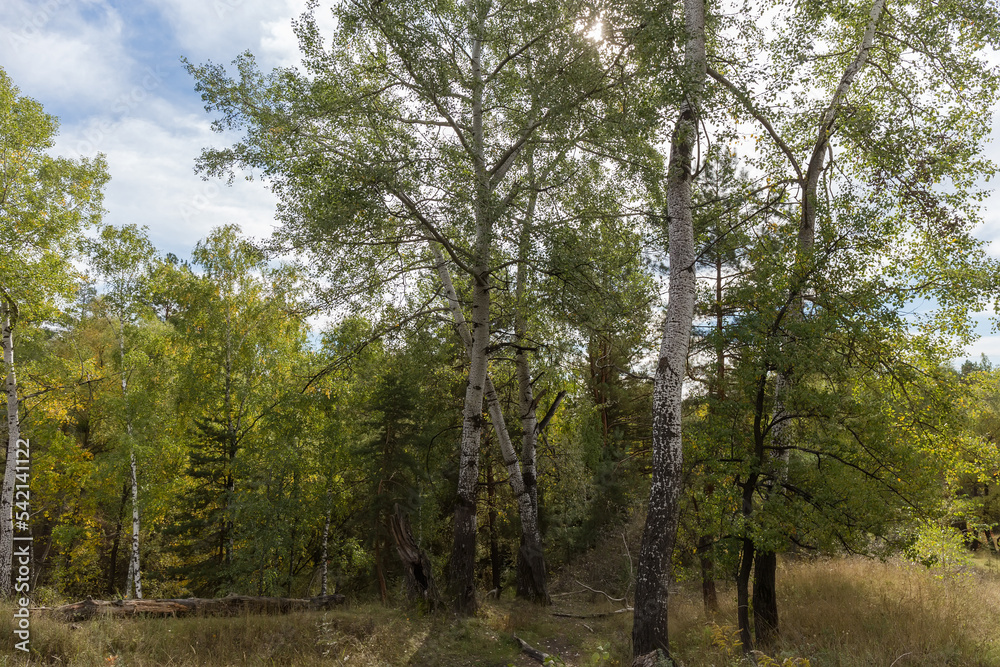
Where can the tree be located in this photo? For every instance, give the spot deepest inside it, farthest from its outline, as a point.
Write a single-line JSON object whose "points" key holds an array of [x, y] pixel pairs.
{"points": [[649, 629], [413, 130], [874, 144], [122, 258], [244, 333], [44, 204]]}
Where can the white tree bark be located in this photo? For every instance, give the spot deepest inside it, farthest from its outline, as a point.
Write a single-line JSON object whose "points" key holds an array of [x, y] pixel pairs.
{"points": [[464, 549], [325, 555], [528, 509], [8, 320], [649, 630], [134, 571]]}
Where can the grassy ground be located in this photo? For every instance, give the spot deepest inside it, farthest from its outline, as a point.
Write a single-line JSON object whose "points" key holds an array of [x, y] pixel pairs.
{"points": [[837, 612]]}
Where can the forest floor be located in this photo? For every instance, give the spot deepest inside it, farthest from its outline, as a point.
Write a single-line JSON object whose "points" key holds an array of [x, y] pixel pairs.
{"points": [[839, 612]]}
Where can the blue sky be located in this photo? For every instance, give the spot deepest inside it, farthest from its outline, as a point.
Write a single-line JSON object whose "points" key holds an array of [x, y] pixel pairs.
{"points": [[111, 71]]}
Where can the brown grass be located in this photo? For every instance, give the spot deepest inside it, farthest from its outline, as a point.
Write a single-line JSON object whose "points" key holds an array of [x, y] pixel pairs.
{"points": [[834, 612], [854, 612]]}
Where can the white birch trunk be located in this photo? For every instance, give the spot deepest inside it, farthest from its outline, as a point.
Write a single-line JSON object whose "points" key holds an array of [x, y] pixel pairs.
{"points": [[135, 573], [325, 556], [528, 510], [134, 560], [464, 548], [10, 469], [649, 630]]}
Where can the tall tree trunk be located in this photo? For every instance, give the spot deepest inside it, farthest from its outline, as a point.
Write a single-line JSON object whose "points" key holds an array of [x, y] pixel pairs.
{"points": [[113, 566], [530, 559], [649, 630], [136, 578], [496, 563], [706, 542], [765, 570], [765, 607], [464, 549], [743, 594], [531, 556], [706, 559], [325, 553], [463, 558], [8, 313], [383, 590]]}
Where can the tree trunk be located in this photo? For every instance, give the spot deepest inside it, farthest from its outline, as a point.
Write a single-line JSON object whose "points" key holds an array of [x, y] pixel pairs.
{"points": [[113, 566], [765, 596], [463, 557], [419, 574], [463, 560], [765, 606], [383, 590], [649, 630], [531, 574], [743, 594], [706, 558], [496, 563], [532, 578], [135, 583], [325, 554], [9, 319]]}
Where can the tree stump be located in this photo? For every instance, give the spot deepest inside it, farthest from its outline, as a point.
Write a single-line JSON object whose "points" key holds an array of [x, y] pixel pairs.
{"points": [[419, 575]]}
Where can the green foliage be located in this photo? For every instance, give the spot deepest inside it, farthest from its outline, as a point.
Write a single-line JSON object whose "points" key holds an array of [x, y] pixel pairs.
{"points": [[939, 547], [45, 203]]}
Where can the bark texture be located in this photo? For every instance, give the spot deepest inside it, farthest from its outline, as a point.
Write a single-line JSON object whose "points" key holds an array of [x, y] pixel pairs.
{"points": [[765, 605], [8, 316], [325, 554], [649, 630], [135, 583], [743, 594], [463, 557], [531, 560], [419, 574]]}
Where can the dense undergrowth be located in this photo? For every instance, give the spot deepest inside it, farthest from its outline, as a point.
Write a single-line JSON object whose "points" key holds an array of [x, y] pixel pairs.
{"points": [[839, 612]]}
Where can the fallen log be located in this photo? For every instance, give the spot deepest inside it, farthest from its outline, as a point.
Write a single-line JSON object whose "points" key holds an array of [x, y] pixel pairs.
{"points": [[607, 613], [531, 651], [227, 606]]}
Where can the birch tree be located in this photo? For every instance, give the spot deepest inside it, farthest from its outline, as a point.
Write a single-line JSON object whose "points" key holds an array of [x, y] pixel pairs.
{"points": [[122, 259], [411, 130], [44, 204], [888, 105], [649, 629]]}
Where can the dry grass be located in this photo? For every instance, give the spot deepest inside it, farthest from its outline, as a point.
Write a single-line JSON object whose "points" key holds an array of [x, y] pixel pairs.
{"points": [[853, 612], [836, 612]]}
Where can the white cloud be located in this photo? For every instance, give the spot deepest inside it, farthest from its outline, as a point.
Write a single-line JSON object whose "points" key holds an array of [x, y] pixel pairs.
{"points": [[988, 345], [53, 53], [219, 30], [153, 181]]}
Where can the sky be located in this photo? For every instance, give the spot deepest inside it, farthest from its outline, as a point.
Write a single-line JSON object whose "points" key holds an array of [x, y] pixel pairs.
{"points": [[111, 71]]}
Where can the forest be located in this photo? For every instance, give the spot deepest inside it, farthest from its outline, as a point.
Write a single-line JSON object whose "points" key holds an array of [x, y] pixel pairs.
{"points": [[644, 304]]}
